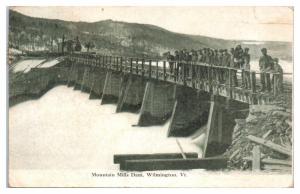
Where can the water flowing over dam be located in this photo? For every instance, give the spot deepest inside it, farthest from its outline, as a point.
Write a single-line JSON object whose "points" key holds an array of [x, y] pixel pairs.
{"points": [[82, 133]]}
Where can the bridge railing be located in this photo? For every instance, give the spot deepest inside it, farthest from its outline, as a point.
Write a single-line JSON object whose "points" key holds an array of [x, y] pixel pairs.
{"points": [[193, 74]]}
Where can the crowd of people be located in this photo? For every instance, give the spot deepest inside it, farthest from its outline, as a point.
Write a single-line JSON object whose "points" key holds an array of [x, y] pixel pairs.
{"points": [[238, 58]]}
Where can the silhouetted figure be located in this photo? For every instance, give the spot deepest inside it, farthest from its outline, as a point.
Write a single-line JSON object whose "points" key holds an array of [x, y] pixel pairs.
{"points": [[265, 64], [246, 60], [278, 70], [170, 59]]}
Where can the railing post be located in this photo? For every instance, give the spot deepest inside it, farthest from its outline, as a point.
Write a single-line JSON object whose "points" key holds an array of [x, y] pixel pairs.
{"points": [[175, 70], [268, 79], [143, 70], [150, 69], [230, 75], [104, 61], [156, 69], [275, 86], [243, 78], [131, 66], [191, 74], [263, 80], [117, 59], [110, 62], [121, 64], [137, 66], [164, 66], [184, 76], [100, 60], [97, 60], [253, 81], [210, 78]]}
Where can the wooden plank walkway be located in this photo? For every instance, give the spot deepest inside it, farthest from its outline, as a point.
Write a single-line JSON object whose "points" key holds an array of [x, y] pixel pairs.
{"points": [[235, 84]]}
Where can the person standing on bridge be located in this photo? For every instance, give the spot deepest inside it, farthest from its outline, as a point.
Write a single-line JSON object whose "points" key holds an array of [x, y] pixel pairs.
{"points": [[200, 56], [170, 59], [226, 58], [207, 56], [188, 61], [220, 59], [279, 73], [181, 63], [238, 57], [216, 57], [265, 64], [194, 61], [233, 63], [246, 61]]}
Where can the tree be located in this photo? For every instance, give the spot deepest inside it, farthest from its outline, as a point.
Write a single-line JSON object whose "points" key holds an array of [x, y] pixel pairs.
{"points": [[78, 46], [89, 45]]}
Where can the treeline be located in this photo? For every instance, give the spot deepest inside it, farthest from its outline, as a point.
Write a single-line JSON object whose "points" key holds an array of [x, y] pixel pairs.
{"points": [[118, 38]]}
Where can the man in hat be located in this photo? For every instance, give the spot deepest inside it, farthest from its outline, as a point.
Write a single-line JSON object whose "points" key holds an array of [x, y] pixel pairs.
{"points": [[216, 57], [265, 64], [238, 56], [233, 63], [246, 60], [226, 58], [170, 59], [232, 57]]}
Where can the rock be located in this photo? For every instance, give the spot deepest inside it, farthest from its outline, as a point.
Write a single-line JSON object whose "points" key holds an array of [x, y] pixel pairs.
{"points": [[281, 113], [287, 121], [251, 118], [288, 110], [240, 121]]}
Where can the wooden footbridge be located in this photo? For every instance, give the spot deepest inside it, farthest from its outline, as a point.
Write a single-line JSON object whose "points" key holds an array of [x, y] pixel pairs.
{"points": [[232, 83], [198, 98]]}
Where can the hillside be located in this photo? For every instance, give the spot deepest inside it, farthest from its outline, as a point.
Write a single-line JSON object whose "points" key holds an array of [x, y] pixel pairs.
{"points": [[121, 38]]}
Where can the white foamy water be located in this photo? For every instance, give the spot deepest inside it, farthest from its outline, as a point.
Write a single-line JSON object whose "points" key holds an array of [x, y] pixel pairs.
{"points": [[26, 65], [65, 130], [49, 63]]}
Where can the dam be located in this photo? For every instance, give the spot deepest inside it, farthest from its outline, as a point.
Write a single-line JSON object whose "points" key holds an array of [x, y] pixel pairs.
{"points": [[197, 101]]}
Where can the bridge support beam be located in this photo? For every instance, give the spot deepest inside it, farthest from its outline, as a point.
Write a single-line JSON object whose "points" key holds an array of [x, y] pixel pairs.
{"points": [[131, 93], [112, 86], [220, 124], [87, 80], [190, 111], [79, 77], [72, 75], [98, 78], [157, 104]]}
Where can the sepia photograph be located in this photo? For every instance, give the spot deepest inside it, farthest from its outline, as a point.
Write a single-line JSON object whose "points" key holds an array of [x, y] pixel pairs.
{"points": [[150, 96]]}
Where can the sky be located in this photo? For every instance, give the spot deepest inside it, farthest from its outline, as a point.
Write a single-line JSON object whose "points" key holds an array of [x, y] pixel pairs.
{"points": [[238, 23]]}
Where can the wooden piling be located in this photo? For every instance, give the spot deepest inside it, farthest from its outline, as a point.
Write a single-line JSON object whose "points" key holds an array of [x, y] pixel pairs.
{"points": [[120, 158], [256, 158], [268, 82], [174, 164], [210, 125]]}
